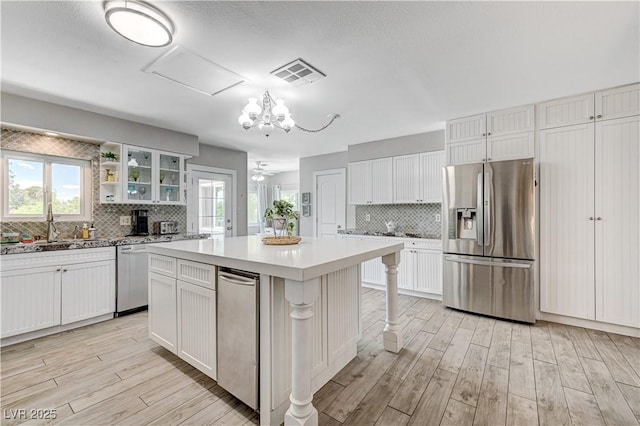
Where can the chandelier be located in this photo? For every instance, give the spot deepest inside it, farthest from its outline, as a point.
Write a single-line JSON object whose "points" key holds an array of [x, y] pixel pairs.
{"points": [[273, 114]]}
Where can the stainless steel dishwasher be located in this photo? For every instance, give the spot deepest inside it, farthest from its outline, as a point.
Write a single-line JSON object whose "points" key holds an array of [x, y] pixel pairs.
{"points": [[238, 334], [132, 282]]}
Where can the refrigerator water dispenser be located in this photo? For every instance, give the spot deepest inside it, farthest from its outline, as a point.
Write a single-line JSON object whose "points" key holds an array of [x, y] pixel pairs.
{"points": [[466, 221]]}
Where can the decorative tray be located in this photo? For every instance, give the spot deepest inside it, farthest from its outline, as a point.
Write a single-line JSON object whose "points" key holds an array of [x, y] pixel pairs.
{"points": [[281, 241]]}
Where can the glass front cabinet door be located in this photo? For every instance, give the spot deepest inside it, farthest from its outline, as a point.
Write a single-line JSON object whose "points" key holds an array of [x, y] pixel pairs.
{"points": [[170, 179], [153, 177]]}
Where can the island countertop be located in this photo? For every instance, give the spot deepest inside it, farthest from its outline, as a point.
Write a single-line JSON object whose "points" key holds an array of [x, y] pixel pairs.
{"points": [[311, 258]]}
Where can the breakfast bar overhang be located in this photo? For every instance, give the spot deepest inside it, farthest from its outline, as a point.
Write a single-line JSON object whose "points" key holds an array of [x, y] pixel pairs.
{"points": [[309, 310]]}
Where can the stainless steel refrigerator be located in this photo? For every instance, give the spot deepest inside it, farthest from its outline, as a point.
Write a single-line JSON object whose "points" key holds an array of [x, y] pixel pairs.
{"points": [[489, 238]]}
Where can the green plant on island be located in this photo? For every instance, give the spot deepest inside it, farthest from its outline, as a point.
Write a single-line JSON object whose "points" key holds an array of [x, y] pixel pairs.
{"points": [[281, 217]]}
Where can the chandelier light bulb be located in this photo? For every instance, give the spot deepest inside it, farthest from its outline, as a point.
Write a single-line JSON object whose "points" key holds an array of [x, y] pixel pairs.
{"points": [[280, 110], [245, 121], [288, 123], [139, 22], [252, 109], [266, 128]]}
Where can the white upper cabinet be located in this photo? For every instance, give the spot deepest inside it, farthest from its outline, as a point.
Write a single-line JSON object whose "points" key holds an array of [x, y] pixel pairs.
{"points": [[566, 111], [418, 178], [510, 121], [617, 103], [406, 179], [499, 135], [603, 105], [152, 177], [468, 128], [371, 181]]}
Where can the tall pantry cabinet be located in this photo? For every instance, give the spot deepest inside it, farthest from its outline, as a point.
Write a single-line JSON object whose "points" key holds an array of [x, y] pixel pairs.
{"points": [[589, 158]]}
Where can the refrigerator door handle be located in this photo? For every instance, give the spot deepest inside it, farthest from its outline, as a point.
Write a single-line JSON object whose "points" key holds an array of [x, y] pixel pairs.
{"points": [[487, 262], [479, 211], [486, 214]]}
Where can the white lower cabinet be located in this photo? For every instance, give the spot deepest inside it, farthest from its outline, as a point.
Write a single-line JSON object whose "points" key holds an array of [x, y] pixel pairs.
{"points": [[182, 312], [88, 290], [419, 271], [51, 289], [162, 311], [197, 327], [30, 300]]}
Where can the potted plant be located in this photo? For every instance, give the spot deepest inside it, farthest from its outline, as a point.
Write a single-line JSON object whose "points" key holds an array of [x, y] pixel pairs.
{"points": [[109, 156], [280, 215]]}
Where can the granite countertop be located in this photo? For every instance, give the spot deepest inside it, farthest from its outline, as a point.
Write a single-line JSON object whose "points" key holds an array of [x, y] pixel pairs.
{"points": [[99, 242], [390, 234]]}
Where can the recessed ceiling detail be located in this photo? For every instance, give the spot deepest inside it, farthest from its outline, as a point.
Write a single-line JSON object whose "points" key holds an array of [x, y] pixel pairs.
{"points": [[194, 72], [298, 72]]}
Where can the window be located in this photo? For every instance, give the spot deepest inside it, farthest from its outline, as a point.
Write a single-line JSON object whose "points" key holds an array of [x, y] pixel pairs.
{"points": [[253, 208], [290, 196], [34, 180], [211, 206]]}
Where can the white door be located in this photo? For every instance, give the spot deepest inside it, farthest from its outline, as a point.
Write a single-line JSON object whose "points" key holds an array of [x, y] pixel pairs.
{"points": [[330, 206], [617, 229], [210, 208], [566, 158]]}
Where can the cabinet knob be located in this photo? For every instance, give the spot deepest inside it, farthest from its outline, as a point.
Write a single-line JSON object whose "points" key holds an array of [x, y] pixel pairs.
{"points": [[488, 159], [598, 218], [484, 134], [599, 116], [590, 217], [591, 117], [58, 270], [489, 134], [64, 270]]}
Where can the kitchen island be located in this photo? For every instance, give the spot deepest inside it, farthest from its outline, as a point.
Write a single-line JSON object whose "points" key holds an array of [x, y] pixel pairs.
{"points": [[302, 343]]}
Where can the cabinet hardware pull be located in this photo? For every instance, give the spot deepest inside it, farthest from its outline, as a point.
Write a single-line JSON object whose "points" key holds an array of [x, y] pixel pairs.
{"points": [[598, 218], [488, 159], [489, 134], [591, 117], [64, 270], [599, 116], [58, 270], [484, 134], [590, 217]]}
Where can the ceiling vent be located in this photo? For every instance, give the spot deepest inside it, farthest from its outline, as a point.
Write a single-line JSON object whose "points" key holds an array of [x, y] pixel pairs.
{"points": [[194, 72], [298, 72]]}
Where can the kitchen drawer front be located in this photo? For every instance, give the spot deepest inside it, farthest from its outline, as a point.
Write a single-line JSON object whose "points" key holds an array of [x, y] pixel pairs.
{"points": [[197, 273], [418, 243], [13, 262], [162, 265]]}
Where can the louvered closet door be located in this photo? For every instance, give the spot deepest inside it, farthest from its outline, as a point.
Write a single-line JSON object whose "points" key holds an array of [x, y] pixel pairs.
{"points": [[618, 230], [566, 158]]}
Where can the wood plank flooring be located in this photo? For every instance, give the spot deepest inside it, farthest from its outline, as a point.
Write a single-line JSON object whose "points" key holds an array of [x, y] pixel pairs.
{"points": [[455, 369]]}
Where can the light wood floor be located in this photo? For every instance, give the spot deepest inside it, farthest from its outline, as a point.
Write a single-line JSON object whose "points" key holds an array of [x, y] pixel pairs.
{"points": [[455, 369]]}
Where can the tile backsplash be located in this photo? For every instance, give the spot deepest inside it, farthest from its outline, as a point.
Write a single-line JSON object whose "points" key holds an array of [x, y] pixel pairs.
{"points": [[106, 217], [415, 218]]}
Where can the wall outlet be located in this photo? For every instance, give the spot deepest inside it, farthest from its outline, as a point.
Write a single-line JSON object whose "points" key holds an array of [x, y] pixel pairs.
{"points": [[437, 217], [367, 217], [125, 220]]}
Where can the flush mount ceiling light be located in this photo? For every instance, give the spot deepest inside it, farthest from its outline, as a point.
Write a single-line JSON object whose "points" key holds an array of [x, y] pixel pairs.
{"points": [[273, 114], [139, 22]]}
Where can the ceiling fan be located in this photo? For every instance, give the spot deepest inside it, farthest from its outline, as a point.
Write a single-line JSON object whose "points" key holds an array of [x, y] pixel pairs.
{"points": [[259, 172]]}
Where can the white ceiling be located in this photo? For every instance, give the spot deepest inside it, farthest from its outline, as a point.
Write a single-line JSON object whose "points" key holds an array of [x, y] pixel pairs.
{"points": [[393, 68]]}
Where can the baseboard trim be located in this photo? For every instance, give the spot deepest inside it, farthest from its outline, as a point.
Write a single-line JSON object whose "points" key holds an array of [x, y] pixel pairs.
{"points": [[595, 325], [404, 291], [52, 330]]}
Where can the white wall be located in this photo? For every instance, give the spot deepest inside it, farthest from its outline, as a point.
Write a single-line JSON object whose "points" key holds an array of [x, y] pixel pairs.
{"points": [[308, 165], [223, 158], [21, 113]]}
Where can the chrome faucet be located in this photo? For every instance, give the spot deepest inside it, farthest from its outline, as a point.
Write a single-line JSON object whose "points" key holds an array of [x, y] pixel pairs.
{"points": [[52, 232]]}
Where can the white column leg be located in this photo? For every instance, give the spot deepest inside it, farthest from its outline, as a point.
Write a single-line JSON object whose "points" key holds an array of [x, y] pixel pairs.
{"points": [[301, 296], [392, 337]]}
